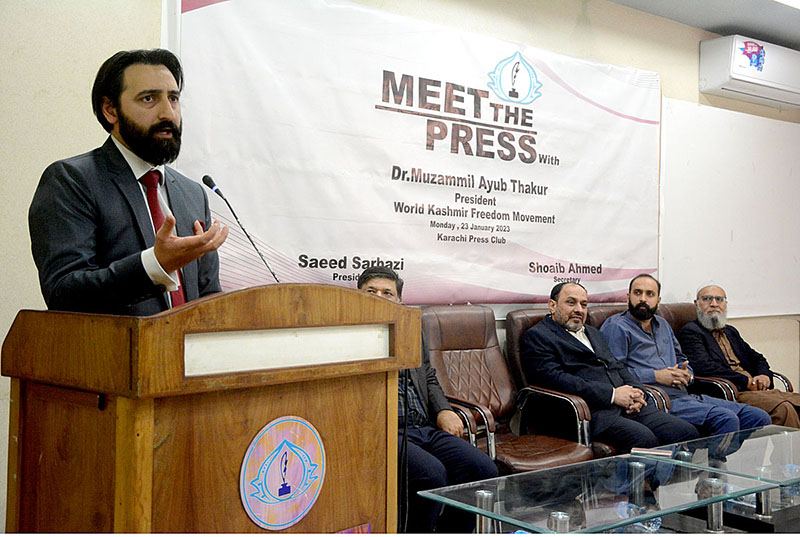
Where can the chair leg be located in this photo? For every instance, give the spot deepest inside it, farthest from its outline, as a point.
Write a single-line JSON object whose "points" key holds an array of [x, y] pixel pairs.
{"points": [[491, 445]]}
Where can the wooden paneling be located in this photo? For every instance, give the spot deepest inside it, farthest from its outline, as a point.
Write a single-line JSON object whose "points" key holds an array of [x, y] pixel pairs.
{"points": [[88, 352], [139, 357], [202, 439], [14, 456], [133, 477], [67, 462], [391, 451], [113, 437], [273, 306]]}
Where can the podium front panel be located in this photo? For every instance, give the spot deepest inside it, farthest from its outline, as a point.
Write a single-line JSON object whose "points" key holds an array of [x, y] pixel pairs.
{"points": [[108, 433]]}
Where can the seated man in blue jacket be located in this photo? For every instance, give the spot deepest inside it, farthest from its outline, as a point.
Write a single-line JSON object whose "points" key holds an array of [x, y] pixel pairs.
{"points": [[715, 349], [561, 353], [645, 342], [437, 457]]}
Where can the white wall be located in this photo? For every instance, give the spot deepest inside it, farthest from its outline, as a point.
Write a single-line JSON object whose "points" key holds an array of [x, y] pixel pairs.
{"points": [[777, 338], [51, 50], [728, 182]]}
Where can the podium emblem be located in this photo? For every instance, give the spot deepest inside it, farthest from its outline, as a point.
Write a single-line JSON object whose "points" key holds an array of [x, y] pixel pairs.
{"points": [[282, 473]]}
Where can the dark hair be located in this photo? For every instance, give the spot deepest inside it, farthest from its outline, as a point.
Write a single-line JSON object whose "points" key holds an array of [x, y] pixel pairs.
{"points": [[658, 283], [108, 82], [379, 271], [559, 286]]}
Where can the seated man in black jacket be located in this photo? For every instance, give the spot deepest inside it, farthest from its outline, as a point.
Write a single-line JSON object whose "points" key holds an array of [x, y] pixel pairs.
{"points": [[561, 353], [715, 349], [437, 457]]}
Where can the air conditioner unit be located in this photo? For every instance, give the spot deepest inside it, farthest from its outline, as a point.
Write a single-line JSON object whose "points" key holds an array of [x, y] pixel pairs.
{"points": [[750, 70]]}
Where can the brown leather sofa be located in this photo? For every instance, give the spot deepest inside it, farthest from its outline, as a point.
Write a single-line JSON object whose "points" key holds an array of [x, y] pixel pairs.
{"points": [[518, 321], [464, 349], [481, 383], [676, 314]]}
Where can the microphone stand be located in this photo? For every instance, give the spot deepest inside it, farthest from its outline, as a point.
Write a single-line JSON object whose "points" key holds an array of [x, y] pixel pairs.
{"points": [[209, 182]]}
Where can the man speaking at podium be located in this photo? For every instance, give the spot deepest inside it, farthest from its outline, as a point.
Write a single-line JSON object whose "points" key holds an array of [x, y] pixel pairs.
{"points": [[115, 230]]}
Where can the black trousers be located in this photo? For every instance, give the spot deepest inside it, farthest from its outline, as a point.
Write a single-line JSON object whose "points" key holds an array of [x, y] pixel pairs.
{"points": [[648, 428], [438, 459]]}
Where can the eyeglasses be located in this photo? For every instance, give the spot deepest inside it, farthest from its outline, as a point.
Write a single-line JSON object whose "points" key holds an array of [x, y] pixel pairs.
{"points": [[708, 298]]}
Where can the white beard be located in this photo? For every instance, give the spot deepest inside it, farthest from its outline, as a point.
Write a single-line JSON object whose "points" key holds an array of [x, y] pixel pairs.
{"points": [[715, 321]]}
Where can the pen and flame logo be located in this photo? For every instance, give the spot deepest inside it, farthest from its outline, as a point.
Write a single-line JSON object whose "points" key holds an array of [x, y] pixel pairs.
{"points": [[271, 486], [515, 80], [282, 473], [285, 488], [514, 72]]}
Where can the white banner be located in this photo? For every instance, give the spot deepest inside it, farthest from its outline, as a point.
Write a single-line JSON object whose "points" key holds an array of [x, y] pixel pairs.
{"points": [[481, 170]]}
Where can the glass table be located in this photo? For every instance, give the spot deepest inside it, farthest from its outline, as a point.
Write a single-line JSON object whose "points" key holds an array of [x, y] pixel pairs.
{"points": [[598, 495], [770, 454]]}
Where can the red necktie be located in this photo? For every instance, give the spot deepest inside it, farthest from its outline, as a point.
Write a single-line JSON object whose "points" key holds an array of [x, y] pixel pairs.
{"points": [[151, 180]]}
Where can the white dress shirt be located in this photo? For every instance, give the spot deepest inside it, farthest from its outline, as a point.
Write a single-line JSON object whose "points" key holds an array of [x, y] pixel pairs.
{"points": [[151, 265]]}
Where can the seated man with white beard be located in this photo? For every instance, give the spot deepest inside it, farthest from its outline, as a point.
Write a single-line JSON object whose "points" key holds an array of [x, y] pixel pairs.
{"points": [[645, 342], [715, 349]]}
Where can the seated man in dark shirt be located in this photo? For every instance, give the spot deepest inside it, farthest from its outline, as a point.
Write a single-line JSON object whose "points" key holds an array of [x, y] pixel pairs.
{"points": [[715, 349], [437, 457], [561, 353]]}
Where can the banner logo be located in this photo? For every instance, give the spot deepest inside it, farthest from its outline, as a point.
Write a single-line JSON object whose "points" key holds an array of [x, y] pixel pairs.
{"points": [[515, 80], [281, 478], [755, 53]]}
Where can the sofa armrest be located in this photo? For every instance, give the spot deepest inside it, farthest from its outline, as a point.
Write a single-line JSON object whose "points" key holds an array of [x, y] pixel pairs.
{"points": [[554, 413], [787, 384], [663, 402], [486, 416], [715, 387], [468, 419]]}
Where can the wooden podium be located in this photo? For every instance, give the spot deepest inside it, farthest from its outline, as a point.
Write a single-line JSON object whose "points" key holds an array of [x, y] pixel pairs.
{"points": [[140, 424]]}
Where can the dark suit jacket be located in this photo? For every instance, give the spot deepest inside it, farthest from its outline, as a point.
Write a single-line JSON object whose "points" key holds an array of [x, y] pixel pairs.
{"points": [[427, 386], [707, 360], [553, 358], [89, 223]]}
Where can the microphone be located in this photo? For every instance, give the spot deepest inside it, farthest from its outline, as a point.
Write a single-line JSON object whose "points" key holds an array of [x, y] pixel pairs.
{"points": [[209, 182]]}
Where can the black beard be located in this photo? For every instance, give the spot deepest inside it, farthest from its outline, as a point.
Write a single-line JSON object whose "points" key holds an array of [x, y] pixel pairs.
{"points": [[145, 145], [642, 312]]}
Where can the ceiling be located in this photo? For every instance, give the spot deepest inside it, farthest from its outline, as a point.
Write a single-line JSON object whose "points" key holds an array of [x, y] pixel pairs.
{"points": [[765, 20]]}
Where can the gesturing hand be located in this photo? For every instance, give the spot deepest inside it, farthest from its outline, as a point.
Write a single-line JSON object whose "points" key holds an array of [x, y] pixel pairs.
{"points": [[174, 252]]}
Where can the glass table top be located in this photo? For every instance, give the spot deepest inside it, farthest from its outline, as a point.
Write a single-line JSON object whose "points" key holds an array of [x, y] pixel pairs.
{"points": [[770, 453], [597, 495]]}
